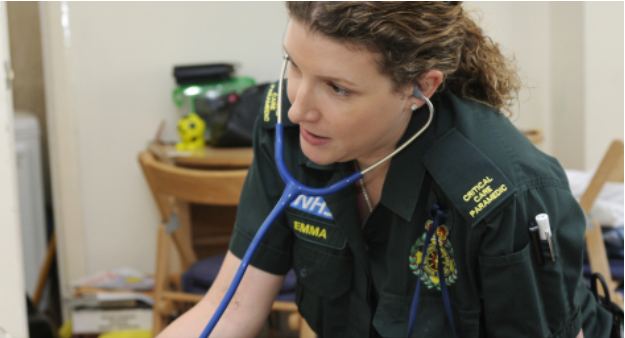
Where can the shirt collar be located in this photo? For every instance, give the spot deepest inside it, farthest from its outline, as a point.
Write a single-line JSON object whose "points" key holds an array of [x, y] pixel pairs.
{"points": [[406, 172]]}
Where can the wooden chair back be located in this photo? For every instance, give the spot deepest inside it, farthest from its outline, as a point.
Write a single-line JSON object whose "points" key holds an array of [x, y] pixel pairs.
{"points": [[213, 187], [610, 170], [174, 189]]}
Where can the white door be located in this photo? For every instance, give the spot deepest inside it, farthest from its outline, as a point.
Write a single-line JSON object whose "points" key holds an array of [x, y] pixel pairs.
{"points": [[12, 291]]}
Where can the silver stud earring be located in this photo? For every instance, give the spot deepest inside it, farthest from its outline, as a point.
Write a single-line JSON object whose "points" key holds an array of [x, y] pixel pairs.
{"points": [[414, 107]]}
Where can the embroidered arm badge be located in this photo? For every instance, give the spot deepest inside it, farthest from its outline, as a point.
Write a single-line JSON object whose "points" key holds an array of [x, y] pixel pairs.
{"points": [[472, 182]]}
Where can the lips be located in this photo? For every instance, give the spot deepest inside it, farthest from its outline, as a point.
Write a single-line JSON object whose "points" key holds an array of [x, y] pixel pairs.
{"points": [[313, 139]]}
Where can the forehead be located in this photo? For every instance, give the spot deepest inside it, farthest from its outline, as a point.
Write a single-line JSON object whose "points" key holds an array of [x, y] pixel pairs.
{"points": [[320, 55]]}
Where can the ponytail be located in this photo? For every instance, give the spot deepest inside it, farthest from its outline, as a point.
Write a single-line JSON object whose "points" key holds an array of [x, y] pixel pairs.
{"points": [[484, 74]]}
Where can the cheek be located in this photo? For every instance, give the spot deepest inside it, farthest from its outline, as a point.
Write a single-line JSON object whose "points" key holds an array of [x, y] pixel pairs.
{"points": [[291, 89], [372, 120]]}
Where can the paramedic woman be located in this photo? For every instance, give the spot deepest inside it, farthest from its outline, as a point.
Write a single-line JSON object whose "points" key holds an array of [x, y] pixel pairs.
{"points": [[357, 253]]}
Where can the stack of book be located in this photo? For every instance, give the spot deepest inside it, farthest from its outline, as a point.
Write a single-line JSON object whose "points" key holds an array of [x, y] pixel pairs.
{"points": [[102, 312], [111, 301]]}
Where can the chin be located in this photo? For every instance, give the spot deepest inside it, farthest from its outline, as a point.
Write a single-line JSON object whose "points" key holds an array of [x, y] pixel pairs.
{"points": [[317, 155]]}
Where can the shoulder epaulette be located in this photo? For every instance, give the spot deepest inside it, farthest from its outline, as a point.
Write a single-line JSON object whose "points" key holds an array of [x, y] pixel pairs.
{"points": [[470, 180], [270, 107]]}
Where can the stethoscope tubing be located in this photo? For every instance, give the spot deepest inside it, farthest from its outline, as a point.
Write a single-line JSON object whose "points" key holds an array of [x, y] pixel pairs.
{"points": [[292, 190]]}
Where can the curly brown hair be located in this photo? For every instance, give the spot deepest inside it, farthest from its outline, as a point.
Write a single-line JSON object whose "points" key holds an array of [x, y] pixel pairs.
{"points": [[416, 37]]}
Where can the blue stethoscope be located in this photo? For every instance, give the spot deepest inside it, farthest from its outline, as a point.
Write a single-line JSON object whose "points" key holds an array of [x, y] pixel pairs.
{"points": [[294, 189]]}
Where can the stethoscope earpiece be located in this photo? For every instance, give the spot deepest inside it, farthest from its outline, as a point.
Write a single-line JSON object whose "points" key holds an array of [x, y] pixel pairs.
{"points": [[416, 92]]}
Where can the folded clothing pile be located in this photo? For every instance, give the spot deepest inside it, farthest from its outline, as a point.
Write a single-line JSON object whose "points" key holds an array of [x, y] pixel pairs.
{"points": [[608, 207]]}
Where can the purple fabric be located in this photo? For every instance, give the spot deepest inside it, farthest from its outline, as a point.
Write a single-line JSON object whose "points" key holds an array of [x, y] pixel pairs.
{"points": [[616, 268], [286, 297], [202, 274]]}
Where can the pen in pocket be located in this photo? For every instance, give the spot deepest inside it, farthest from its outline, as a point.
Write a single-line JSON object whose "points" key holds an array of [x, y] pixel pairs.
{"points": [[535, 238], [545, 232]]}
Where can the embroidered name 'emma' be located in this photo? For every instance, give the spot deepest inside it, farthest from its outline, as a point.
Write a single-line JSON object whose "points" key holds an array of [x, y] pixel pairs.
{"points": [[311, 230]]}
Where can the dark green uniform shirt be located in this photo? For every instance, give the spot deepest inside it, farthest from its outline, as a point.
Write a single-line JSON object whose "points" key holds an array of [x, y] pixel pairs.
{"points": [[357, 281]]}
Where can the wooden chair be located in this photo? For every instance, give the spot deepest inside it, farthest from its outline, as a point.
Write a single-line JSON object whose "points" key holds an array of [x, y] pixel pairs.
{"points": [[610, 170], [174, 189]]}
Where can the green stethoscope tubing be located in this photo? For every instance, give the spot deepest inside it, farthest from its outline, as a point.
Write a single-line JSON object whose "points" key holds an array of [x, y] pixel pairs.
{"points": [[294, 189]]}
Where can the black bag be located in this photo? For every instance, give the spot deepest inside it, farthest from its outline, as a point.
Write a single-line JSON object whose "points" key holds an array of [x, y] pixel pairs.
{"points": [[230, 118], [194, 74], [606, 303], [39, 325]]}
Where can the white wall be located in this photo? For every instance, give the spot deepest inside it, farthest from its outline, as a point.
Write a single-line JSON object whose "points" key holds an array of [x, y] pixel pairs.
{"points": [[567, 78], [12, 289], [108, 85], [571, 57], [507, 24], [109, 78], [587, 77], [603, 78]]}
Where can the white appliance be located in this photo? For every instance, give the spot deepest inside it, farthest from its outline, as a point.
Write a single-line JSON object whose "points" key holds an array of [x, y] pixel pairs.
{"points": [[31, 196]]}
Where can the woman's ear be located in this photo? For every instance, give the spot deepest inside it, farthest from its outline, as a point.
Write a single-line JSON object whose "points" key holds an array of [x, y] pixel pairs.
{"points": [[428, 84]]}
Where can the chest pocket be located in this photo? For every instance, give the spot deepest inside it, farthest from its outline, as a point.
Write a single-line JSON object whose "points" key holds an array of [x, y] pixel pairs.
{"points": [[545, 293], [321, 260]]}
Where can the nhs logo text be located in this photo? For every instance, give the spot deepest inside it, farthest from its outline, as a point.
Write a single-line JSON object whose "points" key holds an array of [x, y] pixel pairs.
{"points": [[314, 205]]}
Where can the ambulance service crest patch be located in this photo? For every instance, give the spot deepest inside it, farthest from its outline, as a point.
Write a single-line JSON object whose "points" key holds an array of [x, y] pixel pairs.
{"points": [[429, 271]]}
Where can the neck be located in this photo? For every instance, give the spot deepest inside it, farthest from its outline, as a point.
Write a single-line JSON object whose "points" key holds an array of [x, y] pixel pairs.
{"points": [[374, 180]]}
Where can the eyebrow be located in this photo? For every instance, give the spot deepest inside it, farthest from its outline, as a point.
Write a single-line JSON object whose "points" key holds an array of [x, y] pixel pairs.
{"points": [[331, 78]]}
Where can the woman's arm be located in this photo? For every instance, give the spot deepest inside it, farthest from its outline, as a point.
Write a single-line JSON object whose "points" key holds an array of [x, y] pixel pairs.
{"points": [[247, 311]]}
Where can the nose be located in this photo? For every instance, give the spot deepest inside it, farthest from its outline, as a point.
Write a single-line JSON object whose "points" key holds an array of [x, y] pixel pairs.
{"points": [[303, 102]]}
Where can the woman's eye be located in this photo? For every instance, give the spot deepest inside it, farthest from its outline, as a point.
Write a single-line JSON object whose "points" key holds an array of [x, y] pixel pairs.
{"points": [[338, 90]]}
